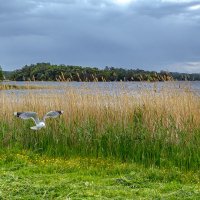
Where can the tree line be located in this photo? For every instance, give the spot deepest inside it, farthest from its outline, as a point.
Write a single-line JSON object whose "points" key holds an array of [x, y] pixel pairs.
{"points": [[49, 72]]}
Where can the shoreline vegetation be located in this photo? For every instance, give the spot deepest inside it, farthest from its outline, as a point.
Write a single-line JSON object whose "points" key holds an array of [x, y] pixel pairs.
{"points": [[153, 129], [49, 72], [19, 87]]}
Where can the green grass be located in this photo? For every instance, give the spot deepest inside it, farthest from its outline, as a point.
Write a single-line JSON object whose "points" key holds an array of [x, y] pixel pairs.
{"points": [[25, 175], [131, 143]]}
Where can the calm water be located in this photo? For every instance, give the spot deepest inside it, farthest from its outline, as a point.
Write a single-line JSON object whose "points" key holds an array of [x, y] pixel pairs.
{"points": [[106, 87]]}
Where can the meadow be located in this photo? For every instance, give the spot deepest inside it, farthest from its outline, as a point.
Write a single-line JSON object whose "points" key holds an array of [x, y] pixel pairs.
{"points": [[155, 130]]}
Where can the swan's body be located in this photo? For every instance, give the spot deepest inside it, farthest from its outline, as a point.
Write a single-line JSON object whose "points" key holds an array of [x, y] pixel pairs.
{"points": [[33, 115]]}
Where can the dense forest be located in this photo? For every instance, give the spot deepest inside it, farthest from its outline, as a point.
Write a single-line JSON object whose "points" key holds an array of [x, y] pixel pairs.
{"points": [[48, 72]]}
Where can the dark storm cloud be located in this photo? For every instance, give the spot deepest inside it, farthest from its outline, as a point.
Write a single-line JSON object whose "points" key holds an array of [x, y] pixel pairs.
{"points": [[147, 34]]}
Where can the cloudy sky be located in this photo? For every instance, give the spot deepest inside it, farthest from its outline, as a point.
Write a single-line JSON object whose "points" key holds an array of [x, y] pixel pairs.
{"points": [[146, 34]]}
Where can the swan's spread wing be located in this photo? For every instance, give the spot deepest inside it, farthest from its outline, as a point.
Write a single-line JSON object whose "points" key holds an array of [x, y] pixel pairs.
{"points": [[28, 115], [53, 114]]}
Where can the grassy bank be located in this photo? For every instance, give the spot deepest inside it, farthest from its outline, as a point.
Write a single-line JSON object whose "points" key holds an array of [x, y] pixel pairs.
{"points": [[26, 175], [152, 128], [18, 87]]}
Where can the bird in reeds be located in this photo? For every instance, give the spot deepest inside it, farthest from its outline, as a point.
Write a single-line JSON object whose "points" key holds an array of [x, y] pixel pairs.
{"points": [[33, 115]]}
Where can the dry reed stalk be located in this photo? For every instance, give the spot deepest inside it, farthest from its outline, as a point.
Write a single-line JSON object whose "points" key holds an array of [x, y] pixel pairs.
{"points": [[113, 108]]}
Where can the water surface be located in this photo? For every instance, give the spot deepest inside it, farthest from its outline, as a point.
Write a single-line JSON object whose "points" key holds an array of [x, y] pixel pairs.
{"points": [[105, 87]]}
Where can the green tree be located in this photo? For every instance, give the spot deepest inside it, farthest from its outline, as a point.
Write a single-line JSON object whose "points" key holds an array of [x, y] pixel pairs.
{"points": [[1, 74]]}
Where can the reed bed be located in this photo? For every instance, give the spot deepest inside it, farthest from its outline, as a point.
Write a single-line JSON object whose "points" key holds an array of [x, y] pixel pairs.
{"points": [[17, 87], [153, 127]]}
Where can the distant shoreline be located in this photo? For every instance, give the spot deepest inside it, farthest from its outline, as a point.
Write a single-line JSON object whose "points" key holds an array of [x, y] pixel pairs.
{"points": [[49, 72]]}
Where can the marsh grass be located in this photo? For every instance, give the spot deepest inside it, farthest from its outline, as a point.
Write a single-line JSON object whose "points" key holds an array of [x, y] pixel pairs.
{"points": [[19, 87], [154, 128]]}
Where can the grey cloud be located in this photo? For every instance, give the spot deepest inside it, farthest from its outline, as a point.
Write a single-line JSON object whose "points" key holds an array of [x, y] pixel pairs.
{"points": [[163, 9], [146, 34], [187, 67], [12, 8]]}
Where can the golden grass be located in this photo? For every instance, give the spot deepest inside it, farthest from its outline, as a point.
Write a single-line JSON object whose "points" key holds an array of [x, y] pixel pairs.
{"points": [[117, 107]]}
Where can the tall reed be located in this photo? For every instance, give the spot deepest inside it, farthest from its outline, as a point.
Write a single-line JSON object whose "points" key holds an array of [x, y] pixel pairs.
{"points": [[153, 126]]}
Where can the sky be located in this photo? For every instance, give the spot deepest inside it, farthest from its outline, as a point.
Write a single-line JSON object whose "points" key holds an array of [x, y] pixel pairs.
{"points": [[146, 34]]}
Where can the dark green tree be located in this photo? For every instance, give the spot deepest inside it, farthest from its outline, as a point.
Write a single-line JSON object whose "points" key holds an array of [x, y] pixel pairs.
{"points": [[49, 72], [1, 74]]}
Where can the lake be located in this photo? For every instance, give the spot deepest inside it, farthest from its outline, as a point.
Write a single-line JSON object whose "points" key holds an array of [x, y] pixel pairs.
{"points": [[106, 87]]}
